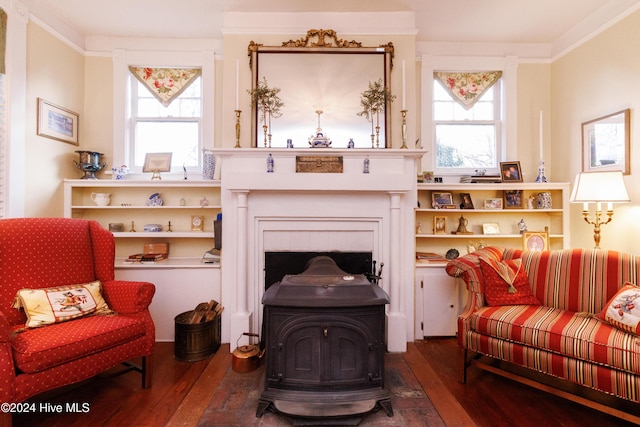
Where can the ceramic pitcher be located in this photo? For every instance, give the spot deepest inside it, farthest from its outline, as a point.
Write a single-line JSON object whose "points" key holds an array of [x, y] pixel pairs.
{"points": [[101, 199]]}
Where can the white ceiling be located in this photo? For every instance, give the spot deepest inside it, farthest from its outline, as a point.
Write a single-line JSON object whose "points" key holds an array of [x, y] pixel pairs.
{"points": [[468, 21]]}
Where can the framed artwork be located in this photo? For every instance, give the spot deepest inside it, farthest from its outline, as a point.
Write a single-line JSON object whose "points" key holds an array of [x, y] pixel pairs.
{"points": [[490, 228], [57, 123], [157, 162], [513, 199], [605, 143], [439, 225], [467, 203], [510, 172], [493, 203], [535, 240], [441, 200]]}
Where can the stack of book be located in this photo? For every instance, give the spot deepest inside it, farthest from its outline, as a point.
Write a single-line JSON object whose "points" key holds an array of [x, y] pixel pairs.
{"points": [[430, 258], [212, 256], [145, 258], [480, 179]]}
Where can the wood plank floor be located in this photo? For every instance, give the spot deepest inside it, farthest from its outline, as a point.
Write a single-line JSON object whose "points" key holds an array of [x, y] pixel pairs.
{"points": [[181, 392]]}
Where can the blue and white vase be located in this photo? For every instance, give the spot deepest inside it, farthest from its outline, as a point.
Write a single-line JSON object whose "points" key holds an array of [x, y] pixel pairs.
{"points": [[208, 164]]}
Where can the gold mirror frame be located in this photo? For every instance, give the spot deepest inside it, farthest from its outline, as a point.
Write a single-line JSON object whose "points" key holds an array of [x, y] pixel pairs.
{"points": [[302, 64]]}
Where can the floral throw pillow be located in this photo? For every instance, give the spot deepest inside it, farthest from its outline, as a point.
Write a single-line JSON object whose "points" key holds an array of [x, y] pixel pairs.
{"points": [[506, 283], [46, 306], [623, 309]]}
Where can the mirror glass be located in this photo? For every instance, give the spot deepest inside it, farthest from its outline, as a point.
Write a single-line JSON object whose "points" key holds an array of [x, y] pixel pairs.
{"points": [[605, 143], [321, 88]]}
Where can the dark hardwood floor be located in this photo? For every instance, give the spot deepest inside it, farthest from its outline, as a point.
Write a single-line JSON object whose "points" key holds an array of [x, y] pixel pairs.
{"points": [[181, 392]]}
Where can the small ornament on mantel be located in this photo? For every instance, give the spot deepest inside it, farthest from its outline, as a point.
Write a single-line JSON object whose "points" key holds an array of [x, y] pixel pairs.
{"points": [[270, 163]]}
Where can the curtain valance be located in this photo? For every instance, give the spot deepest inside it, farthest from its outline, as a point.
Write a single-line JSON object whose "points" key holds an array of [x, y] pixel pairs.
{"points": [[166, 84], [467, 88]]}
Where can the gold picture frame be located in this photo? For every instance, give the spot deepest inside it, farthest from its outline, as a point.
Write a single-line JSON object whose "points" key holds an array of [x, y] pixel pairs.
{"points": [[510, 172], [57, 123], [156, 163], [491, 227], [536, 240], [439, 225]]}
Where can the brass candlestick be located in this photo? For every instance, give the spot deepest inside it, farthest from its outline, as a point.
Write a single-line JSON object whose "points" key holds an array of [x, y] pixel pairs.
{"points": [[264, 127], [238, 128], [597, 222], [404, 128]]}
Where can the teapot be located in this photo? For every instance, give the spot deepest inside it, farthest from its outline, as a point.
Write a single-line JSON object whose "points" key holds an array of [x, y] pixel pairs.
{"points": [[101, 199]]}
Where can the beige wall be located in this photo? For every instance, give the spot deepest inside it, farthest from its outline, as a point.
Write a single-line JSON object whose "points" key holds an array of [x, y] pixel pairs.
{"points": [[596, 79], [55, 72]]}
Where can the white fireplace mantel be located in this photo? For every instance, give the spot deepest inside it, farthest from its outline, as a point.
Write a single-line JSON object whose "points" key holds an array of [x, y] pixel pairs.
{"points": [[288, 211]]}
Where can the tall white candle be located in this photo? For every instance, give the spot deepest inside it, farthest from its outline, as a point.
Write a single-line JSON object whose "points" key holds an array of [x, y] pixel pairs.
{"points": [[404, 87], [237, 84], [540, 134]]}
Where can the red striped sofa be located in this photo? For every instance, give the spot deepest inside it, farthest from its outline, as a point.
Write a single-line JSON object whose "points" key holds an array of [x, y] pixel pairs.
{"points": [[52, 252], [562, 337]]}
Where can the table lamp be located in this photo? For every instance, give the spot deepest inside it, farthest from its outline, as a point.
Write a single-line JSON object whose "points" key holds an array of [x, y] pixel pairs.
{"points": [[599, 187]]}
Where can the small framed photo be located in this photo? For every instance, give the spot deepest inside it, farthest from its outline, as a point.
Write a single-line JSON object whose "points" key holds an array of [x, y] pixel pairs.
{"points": [[441, 200], [493, 203], [157, 162], [513, 199], [467, 203], [535, 240], [510, 172], [439, 225], [57, 123], [490, 228]]}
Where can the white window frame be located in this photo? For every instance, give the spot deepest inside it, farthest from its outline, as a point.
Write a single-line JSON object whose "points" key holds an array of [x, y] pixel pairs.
{"points": [[508, 130], [122, 59], [136, 119]]}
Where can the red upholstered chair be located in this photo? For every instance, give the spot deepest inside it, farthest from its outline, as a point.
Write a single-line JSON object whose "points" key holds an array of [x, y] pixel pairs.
{"points": [[48, 252]]}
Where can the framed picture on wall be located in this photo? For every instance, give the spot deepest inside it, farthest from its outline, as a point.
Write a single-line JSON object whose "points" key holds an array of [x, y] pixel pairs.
{"points": [[57, 123]]}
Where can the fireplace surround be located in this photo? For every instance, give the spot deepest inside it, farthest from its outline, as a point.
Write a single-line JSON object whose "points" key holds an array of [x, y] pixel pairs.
{"points": [[317, 212]]}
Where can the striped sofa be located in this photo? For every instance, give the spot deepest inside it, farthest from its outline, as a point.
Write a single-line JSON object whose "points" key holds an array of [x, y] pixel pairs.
{"points": [[562, 337]]}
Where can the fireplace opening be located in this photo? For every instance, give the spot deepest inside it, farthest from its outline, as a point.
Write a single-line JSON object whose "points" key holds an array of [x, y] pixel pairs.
{"points": [[279, 264]]}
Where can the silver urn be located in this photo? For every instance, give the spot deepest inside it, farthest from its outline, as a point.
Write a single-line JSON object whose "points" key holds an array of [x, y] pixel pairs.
{"points": [[89, 163]]}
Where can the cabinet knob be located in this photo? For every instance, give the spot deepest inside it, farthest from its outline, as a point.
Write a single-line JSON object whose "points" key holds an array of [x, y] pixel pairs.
{"points": [[451, 306]]}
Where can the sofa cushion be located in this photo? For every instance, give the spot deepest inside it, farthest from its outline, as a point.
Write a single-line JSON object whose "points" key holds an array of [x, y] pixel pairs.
{"points": [[46, 306], [623, 310], [579, 335], [506, 283], [38, 349]]}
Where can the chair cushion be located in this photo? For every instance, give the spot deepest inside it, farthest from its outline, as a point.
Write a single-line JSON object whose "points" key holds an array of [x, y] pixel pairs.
{"points": [[579, 335], [61, 303], [38, 349]]}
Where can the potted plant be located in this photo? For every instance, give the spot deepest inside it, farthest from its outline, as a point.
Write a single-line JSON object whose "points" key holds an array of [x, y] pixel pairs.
{"points": [[268, 103], [373, 101]]}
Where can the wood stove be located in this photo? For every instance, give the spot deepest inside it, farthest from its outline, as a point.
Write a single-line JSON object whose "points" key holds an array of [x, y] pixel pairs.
{"points": [[324, 341]]}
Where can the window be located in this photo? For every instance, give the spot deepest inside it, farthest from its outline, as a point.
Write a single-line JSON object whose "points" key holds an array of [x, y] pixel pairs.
{"points": [[176, 128], [467, 139]]}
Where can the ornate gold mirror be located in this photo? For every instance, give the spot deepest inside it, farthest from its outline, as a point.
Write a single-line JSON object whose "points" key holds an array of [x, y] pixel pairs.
{"points": [[320, 78]]}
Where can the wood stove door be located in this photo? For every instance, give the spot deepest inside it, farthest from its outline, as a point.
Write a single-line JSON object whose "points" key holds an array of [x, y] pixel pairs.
{"points": [[328, 351]]}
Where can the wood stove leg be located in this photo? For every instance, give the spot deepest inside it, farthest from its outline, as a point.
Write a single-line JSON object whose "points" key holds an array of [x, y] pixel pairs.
{"points": [[263, 405], [386, 405]]}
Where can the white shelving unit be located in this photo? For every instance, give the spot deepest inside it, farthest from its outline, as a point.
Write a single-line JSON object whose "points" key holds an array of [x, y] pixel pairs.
{"points": [[183, 280]]}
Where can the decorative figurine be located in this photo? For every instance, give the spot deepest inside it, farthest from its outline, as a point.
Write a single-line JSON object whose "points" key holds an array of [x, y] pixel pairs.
{"points": [[204, 202], [522, 226], [270, 163], [351, 144], [462, 226], [289, 143], [366, 165]]}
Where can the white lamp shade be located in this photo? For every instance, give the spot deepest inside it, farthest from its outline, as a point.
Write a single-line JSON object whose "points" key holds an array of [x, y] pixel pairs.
{"points": [[599, 187]]}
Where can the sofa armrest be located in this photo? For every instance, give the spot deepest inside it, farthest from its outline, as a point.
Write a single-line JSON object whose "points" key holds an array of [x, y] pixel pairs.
{"points": [[128, 297]]}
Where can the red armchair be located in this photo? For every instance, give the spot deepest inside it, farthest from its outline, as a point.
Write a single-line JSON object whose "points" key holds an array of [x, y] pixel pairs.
{"points": [[48, 252]]}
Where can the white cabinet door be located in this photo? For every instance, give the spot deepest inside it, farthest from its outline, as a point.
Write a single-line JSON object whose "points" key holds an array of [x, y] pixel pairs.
{"points": [[443, 299]]}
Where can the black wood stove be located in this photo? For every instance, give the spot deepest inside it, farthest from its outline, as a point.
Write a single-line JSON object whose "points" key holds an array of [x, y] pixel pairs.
{"points": [[324, 340]]}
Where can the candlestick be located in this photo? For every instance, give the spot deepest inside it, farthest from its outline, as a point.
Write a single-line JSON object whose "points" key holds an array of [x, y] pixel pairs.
{"points": [[404, 87], [237, 84], [237, 128], [404, 128]]}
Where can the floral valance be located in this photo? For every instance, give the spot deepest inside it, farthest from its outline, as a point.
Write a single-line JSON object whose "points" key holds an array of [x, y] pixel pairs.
{"points": [[166, 84], [467, 88]]}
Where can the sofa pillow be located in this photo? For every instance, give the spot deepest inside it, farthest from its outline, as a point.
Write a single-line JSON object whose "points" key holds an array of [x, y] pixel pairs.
{"points": [[46, 306], [623, 309], [506, 283]]}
